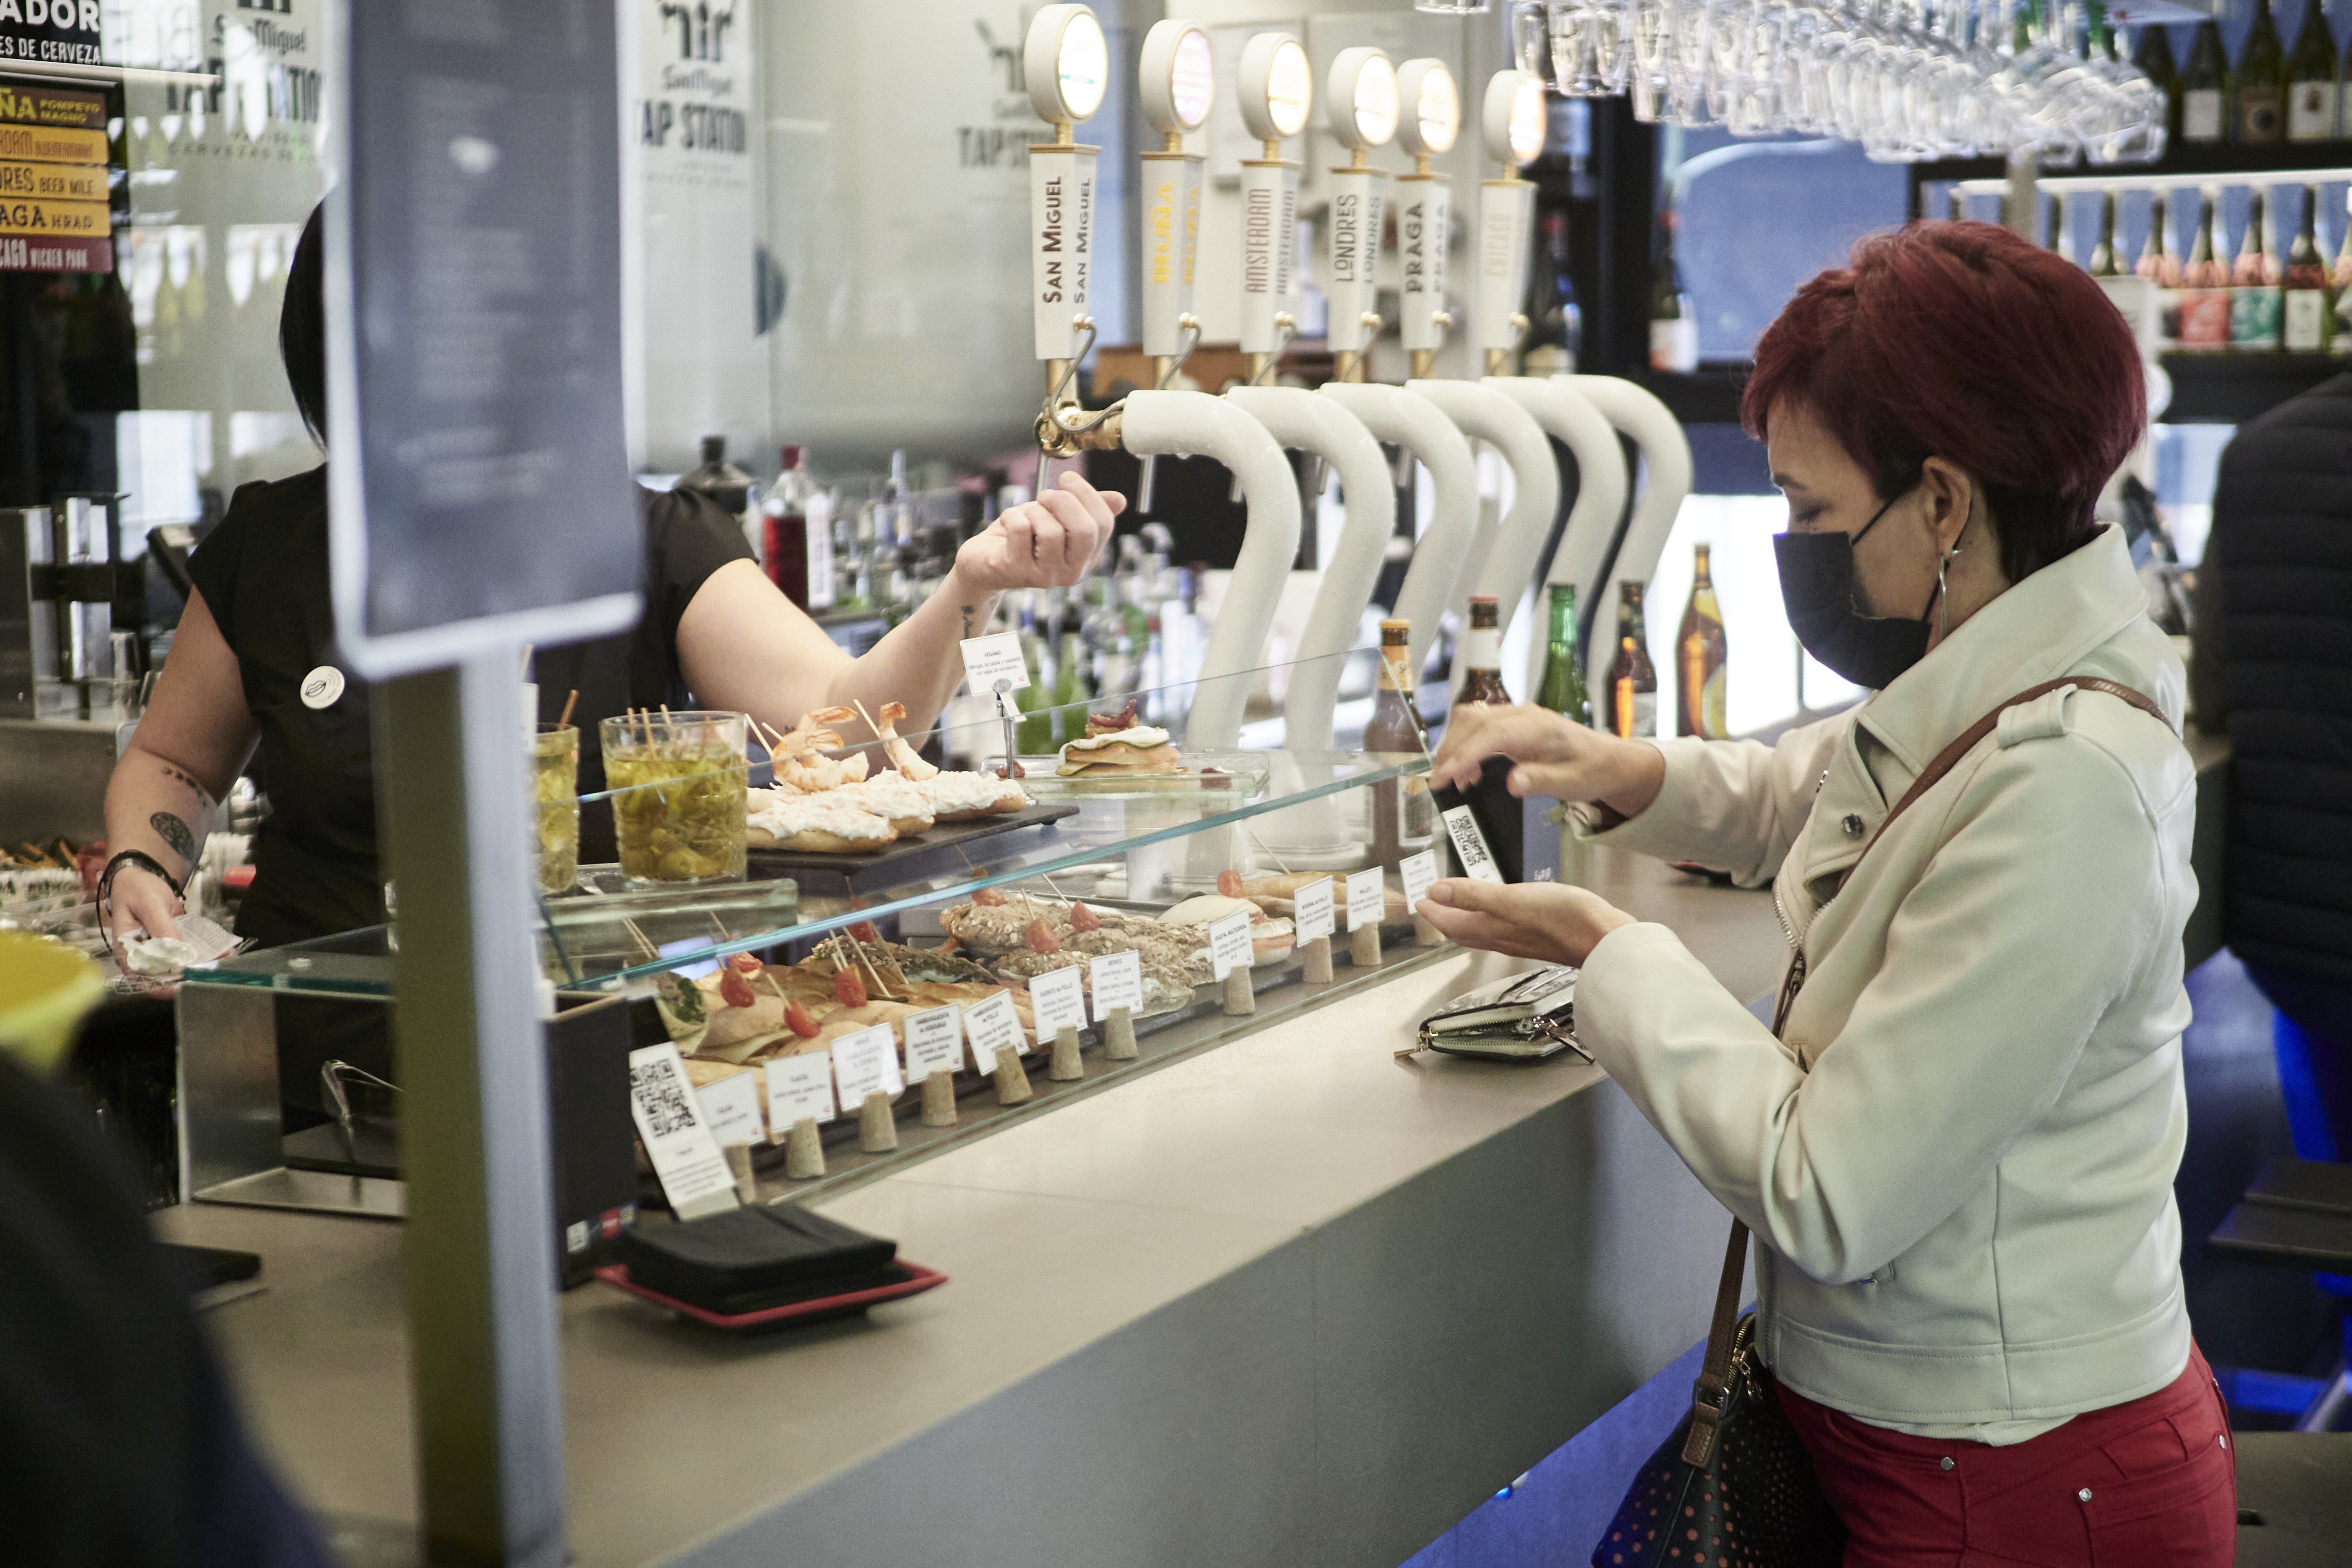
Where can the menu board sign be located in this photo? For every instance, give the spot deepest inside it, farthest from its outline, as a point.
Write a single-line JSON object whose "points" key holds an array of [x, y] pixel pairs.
{"points": [[53, 174], [53, 32]]}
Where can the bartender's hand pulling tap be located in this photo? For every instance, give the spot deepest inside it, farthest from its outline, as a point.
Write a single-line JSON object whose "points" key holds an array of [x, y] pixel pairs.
{"points": [[1046, 543], [1555, 757]]}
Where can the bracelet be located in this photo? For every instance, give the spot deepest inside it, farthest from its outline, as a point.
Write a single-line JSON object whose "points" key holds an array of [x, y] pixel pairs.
{"points": [[139, 857]]}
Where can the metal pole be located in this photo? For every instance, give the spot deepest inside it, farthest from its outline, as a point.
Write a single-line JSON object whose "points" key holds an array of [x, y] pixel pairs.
{"points": [[479, 1252]]}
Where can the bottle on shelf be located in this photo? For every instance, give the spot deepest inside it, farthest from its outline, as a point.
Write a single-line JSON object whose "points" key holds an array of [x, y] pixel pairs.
{"points": [[1562, 689], [2261, 117], [894, 517], [1673, 326], [2305, 327], [2162, 271], [2104, 263], [1700, 655], [2205, 88], [1555, 325], [727, 487], [1403, 817], [2205, 285], [2255, 283], [1482, 654], [1632, 679], [2154, 58], [2313, 84], [2340, 280], [796, 534]]}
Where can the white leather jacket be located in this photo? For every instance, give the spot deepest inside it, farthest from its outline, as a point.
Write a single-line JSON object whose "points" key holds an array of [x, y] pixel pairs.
{"points": [[1959, 1161]]}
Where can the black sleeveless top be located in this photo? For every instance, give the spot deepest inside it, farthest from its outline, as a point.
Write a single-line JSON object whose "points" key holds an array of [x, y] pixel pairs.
{"points": [[263, 574]]}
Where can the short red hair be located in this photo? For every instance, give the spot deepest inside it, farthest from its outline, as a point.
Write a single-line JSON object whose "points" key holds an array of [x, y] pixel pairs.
{"points": [[1965, 341]]}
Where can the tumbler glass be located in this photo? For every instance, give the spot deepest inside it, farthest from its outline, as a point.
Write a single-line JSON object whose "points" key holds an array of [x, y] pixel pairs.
{"points": [[677, 782], [555, 794]]}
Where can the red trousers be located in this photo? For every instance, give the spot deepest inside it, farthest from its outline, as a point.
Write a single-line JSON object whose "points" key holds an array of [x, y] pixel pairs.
{"points": [[2152, 1484]]}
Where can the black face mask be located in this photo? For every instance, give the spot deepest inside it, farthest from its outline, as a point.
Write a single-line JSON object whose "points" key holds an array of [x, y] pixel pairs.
{"points": [[1817, 591]]}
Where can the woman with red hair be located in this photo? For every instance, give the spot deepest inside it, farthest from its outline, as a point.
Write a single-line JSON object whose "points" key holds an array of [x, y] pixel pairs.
{"points": [[1956, 1148]]}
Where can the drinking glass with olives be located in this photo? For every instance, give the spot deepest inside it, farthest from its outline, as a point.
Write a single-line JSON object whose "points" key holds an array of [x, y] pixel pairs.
{"points": [[678, 781]]}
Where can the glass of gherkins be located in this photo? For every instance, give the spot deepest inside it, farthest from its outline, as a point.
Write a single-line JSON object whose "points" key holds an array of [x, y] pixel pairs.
{"points": [[555, 798], [676, 782]]}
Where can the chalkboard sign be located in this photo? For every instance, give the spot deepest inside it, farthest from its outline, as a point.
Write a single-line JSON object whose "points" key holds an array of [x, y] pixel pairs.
{"points": [[480, 492]]}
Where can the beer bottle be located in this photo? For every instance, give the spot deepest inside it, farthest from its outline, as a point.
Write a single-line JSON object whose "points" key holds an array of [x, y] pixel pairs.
{"points": [[1633, 680], [1700, 651], [1403, 816], [1482, 654], [1562, 689]]}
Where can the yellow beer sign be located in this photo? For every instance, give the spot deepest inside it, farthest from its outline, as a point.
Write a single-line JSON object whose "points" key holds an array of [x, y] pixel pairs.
{"points": [[86, 220], [54, 182], [44, 145]]}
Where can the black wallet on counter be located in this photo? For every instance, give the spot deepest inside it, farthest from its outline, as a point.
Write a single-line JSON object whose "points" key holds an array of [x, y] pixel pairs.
{"points": [[749, 1259]]}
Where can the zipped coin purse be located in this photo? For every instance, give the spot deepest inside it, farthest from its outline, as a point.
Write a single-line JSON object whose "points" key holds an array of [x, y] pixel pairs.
{"points": [[1524, 1018]]}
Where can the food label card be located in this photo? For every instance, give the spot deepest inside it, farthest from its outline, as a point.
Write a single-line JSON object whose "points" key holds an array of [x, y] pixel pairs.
{"points": [[1470, 845], [1057, 1000], [1420, 873], [864, 1062], [1310, 911], [934, 1043], [1367, 892], [730, 1108], [800, 1088], [1118, 982], [694, 1174], [993, 658], [993, 1026], [1229, 943]]}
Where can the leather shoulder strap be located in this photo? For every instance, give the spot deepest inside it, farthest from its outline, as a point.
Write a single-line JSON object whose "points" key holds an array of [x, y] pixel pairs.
{"points": [[1969, 738]]}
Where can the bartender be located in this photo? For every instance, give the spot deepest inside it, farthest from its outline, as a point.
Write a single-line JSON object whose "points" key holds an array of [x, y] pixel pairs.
{"points": [[254, 673]]}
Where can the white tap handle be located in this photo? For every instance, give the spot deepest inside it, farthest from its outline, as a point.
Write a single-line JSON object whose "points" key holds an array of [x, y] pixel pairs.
{"points": [[1506, 208], [1568, 417], [1424, 214], [1358, 197], [1267, 188], [1186, 421], [1392, 413], [1505, 564], [1061, 253], [1666, 454], [1171, 231]]}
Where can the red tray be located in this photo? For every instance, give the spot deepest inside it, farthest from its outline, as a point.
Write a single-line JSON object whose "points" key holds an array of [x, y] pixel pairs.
{"points": [[919, 1280]]}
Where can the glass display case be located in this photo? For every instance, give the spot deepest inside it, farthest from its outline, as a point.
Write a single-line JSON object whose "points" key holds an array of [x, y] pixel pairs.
{"points": [[1126, 901]]}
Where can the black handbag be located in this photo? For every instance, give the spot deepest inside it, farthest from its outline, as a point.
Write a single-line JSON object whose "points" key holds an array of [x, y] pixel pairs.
{"points": [[1733, 1488]]}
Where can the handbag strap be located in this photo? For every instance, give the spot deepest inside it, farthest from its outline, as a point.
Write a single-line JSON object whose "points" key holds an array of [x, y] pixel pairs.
{"points": [[1711, 1394]]}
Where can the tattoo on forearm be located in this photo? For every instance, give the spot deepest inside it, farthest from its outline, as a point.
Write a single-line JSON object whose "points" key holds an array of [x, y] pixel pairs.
{"points": [[175, 832], [966, 619], [204, 796]]}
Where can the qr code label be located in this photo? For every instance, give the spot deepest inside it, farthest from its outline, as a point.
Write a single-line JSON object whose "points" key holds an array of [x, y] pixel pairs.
{"points": [[661, 1095]]}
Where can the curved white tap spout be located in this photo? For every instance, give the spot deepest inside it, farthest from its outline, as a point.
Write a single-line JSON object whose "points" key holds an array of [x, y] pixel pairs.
{"points": [[1395, 414], [1569, 416], [1665, 451], [1504, 564], [1296, 417], [1189, 422]]}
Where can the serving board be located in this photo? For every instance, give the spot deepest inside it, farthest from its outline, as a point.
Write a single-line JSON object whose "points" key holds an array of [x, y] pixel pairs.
{"points": [[906, 860]]}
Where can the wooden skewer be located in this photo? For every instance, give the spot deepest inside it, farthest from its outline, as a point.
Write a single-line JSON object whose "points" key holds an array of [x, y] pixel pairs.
{"points": [[643, 941], [569, 703], [866, 717], [1267, 853]]}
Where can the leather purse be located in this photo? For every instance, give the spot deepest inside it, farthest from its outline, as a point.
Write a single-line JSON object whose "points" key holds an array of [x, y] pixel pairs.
{"points": [[1734, 1486]]}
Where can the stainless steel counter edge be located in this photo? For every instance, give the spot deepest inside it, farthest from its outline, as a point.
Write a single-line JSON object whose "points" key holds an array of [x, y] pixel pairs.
{"points": [[1289, 1301]]}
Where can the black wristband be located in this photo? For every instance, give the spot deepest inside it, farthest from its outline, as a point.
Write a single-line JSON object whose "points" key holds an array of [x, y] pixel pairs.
{"points": [[139, 857]]}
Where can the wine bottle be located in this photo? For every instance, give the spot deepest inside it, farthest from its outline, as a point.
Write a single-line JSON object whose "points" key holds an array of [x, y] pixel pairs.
{"points": [[2205, 87], [2254, 284], [2154, 58], [1632, 679], [1700, 654], [2104, 262], [2162, 272], [1562, 689], [2262, 82], [2304, 324], [1482, 654], [1555, 325], [2340, 280], [1403, 818], [2205, 285], [786, 548], [2313, 90], [1674, 327]]}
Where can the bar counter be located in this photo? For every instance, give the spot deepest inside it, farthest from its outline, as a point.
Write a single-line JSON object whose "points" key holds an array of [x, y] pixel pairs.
{"points": [[1291, 1301]]}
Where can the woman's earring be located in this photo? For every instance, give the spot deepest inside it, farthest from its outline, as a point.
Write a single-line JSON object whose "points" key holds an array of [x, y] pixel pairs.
{"points": [[1943, 589]]}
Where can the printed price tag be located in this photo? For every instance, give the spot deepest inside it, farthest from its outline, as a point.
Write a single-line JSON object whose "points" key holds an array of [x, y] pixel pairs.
{"points": [[864, 1062], [993, 1026], [1118, 982], [934, 1043], [1419, 871], [1470, 845], [993, 658], [800, 1088], [693, 1173], [1229, 943], [1311, 910], [1058, 998], [1368, 895], [730, 1108]]}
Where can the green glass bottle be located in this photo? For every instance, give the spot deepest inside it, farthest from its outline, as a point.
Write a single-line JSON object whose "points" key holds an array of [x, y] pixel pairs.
{"points": [[2105, 261], [2312, 91], [1562, 689], [2205, 88], [2262, 82], [2155, 60]]}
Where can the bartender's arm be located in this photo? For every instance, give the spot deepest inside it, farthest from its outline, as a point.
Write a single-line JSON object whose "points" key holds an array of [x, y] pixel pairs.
{"points": [[743, 646], [189, 746]]}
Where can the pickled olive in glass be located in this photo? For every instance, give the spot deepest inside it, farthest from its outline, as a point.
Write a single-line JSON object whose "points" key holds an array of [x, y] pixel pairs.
{"points": [[555, 793], [679, 807]]}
